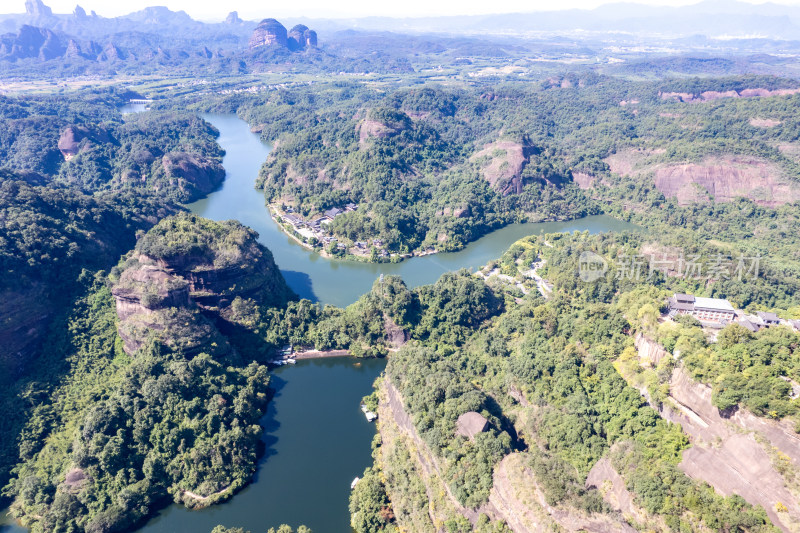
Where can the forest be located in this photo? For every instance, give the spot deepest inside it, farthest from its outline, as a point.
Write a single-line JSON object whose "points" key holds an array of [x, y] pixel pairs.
{"points": [[544, 373], [436, 167], [115, 419]]}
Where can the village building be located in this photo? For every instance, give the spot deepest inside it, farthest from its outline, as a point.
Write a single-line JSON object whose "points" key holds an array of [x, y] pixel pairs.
{"points": [[333, 212], [351, 206], [294, 220], [748, 324], [470, 424], [768, 319], [715, 310]]}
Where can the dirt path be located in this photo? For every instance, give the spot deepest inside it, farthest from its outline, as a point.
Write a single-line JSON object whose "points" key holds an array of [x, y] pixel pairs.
{"points": [[319, 354], [201, 498]]}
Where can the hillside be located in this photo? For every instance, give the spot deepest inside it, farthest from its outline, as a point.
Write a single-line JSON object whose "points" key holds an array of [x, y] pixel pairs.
{"points": [[111, 443]]}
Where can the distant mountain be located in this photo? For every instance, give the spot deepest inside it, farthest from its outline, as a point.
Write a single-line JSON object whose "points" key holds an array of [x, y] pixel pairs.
{"points": [[712, 18]]}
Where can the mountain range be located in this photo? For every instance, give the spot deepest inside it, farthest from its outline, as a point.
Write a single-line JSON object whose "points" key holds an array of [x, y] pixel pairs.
{"points": [[712, 18]]}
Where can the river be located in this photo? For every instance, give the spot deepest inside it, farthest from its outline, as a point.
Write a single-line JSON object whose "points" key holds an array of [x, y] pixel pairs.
{"points": [[341, 282], [317, 440]]}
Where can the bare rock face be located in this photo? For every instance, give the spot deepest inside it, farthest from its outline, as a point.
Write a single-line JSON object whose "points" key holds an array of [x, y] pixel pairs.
{"points": [[584, 180], [381, 123], [76, 139], [31, 42], [269, 32], [504, 169], [194, 174], [153, 302], [233, 18], [182, 279], [733, 454], [725, 178], [300, 38], [708, 96], [36, 8]]}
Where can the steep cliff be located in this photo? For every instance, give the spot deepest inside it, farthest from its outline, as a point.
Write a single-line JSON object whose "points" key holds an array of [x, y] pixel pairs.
{"points": [[192, 175], [47, 238], [269, 32], [506, 161], [181, 280]]}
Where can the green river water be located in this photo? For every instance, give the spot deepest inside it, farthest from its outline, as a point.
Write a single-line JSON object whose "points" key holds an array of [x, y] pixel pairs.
{"points": [[316, 437]]}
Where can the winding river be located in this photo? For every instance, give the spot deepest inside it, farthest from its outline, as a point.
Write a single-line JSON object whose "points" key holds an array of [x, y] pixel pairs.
{"points": [[341, 282], [316, 438]]}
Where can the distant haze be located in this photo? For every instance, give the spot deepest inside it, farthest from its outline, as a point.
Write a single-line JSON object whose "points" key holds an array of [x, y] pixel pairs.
{"points": [[256, 9]]}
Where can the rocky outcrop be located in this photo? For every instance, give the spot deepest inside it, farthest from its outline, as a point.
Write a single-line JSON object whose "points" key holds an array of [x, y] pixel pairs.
{"points": [[36, 8], [233, 18], [708, 96], [194, 175], [382, 123], [519, 501], [300, 38], [372, 128], [70, 142], [272, 34], [723, 178], [180, 282], [650, 352], [269, 32], [507, 159], [154, 303], [395, 335], [736, 455], [31, 42], [584, 180]]}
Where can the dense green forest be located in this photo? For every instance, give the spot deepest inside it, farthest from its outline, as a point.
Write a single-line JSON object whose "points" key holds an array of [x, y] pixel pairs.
{"points": [[542, 372], [82, 141], [106, 435], [437, 167]]}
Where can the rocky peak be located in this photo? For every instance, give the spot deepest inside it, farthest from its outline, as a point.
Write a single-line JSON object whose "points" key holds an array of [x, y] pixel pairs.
{"points": [[233, 18], [31, 41], [36, 8], [269, 32], [180, 282], [79, 12], [300, 38]]}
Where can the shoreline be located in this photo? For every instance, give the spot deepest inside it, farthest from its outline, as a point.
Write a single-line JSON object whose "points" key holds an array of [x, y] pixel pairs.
{"points": [[319, 354], [348, 256]]}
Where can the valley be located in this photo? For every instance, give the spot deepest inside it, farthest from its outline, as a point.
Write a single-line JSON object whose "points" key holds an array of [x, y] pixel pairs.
{"points": [[468, 274]]}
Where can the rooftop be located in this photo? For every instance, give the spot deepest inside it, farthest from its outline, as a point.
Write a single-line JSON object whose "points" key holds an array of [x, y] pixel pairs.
{"points": [[716, 304], [768, 317]]}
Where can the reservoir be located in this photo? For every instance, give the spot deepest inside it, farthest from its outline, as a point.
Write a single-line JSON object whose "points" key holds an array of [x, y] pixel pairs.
{"points": [[341, 282], [316, 437]]}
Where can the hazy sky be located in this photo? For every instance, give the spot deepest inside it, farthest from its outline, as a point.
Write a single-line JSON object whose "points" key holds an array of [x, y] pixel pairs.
{"points": [[257, 9]]}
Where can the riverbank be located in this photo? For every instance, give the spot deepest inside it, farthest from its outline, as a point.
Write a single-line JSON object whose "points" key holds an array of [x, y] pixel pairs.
{"points": [[319, 354], [351, 253]]}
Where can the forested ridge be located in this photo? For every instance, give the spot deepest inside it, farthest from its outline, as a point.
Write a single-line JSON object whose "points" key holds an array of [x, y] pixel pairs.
{"points": [[159, 398], [544, 373], [82, 141], [436, 167]]}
